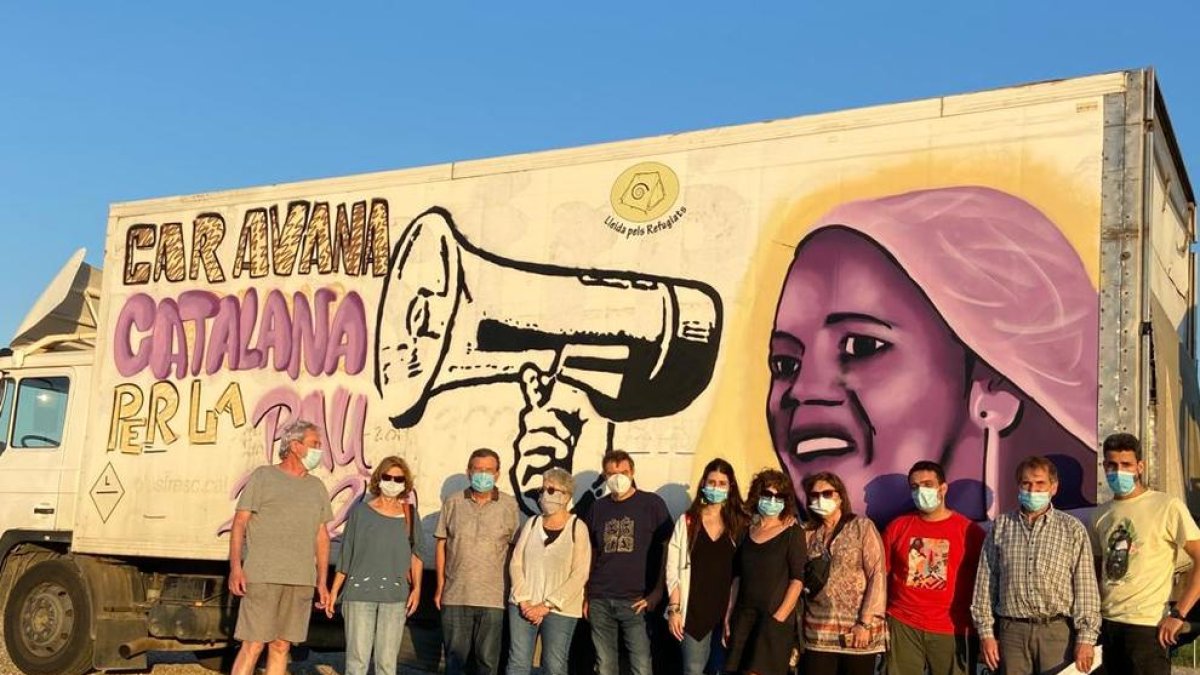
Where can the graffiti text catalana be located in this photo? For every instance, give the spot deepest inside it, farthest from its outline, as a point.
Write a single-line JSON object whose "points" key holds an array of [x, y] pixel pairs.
{"points": [[189, 336]]}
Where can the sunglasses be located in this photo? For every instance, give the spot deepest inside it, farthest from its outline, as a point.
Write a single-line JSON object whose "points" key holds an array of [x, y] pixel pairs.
{"points": [[392, 479], [827, 494], [771, 494], [553, 490]]}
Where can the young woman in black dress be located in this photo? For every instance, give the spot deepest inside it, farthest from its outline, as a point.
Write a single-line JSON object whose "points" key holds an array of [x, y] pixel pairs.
{"points": [[700, 556], [768, 574]]}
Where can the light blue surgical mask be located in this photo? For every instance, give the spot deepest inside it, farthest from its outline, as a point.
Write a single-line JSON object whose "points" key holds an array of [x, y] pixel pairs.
{"points": [[1033, 501], [715, 495], [926, 499], [311, 459], [483, 482], [1121, 482], [770, 507]]}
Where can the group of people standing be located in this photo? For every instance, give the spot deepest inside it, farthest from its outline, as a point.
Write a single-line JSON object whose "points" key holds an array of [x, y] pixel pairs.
{"points": [[781, 580]]}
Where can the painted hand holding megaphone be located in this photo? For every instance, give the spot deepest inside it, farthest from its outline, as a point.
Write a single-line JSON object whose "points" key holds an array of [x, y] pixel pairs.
{"points": [[557, 429], [587, 347]]}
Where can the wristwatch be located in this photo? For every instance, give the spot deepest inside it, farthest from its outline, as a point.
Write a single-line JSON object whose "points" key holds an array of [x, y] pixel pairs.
{"points": [[1174, 614]]}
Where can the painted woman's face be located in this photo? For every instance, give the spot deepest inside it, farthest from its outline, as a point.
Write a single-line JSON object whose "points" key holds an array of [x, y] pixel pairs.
{"points": [[866, 378]]}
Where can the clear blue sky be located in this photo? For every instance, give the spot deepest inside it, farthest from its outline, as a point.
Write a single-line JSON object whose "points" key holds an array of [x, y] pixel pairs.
{"points": [[104, 102]]}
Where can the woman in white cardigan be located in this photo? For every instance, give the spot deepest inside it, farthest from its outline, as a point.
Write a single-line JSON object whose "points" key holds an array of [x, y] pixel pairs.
{"points": [[549, 569], [700, 554]]}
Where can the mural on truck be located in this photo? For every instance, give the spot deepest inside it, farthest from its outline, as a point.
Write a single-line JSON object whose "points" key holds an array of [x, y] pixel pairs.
{"points": [[954, 324], [598, 348], [200, 336], [778, 318], [648, 353]]}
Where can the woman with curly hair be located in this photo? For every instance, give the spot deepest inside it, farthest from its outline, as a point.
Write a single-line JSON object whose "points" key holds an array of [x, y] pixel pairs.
{"points": [[768, 578]]}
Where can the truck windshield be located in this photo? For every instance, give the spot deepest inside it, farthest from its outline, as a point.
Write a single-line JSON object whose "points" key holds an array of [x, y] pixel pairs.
{"points": [[41, 411]]}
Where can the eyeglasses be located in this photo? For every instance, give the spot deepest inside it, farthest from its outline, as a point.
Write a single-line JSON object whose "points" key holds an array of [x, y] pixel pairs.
{"points": [[827, 494], [392, 479], [772, 495], [550, 490]]}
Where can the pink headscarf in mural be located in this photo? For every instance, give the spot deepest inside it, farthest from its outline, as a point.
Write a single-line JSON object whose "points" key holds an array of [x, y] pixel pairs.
{"points": [[1005, 280]]}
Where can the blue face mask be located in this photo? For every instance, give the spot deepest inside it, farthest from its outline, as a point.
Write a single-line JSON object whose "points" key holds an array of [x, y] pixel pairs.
{"points": [[1120, 482], [1033, 501], [715, 495], [483, 482], [926, 499], [770, 507], [312, 459]]}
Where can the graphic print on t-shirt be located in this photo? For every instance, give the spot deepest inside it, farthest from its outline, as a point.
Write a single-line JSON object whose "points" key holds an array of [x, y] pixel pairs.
{"points": [[618, 535], [927, 560], [1122, 544]]}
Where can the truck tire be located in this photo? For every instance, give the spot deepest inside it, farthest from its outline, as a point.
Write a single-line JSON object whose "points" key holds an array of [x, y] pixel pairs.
{"points": [[48, 621], [20, 559]]}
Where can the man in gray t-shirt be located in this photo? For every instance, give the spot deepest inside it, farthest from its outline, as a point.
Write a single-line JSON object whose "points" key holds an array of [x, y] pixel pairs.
{"points": [[279, 550]]}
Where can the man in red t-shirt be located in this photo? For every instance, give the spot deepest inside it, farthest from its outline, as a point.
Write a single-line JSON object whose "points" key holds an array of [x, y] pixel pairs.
{"points": [[931, 556]]}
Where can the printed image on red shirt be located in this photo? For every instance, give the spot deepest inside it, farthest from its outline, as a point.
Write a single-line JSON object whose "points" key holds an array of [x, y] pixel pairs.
{"points": [[927, 562]]}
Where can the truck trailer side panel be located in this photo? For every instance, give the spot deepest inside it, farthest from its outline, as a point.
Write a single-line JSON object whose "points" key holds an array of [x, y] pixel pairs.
{"points": [[956, 279]]}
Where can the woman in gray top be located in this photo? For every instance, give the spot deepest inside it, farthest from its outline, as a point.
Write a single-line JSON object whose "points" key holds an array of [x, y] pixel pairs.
{"points": [[378, 576]]}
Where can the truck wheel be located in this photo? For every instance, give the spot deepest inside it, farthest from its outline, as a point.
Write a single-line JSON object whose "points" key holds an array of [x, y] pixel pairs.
{"points": [[48, 620]]}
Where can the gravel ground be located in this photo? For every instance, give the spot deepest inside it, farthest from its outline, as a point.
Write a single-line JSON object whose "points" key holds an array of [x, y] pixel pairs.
{"points": [[184, 664], [317, 663]]}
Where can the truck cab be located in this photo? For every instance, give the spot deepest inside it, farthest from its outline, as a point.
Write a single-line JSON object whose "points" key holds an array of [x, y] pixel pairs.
{"points": [[45, 378], [44, 395]]}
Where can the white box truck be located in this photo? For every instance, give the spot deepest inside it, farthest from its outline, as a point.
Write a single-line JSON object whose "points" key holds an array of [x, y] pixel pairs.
{"points": [[971, 278]]}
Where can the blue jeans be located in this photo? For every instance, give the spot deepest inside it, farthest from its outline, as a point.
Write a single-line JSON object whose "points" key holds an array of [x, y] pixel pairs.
{"points": [[703, 656], [613, 622], [557, 631], [472, 630], [377, 625]]}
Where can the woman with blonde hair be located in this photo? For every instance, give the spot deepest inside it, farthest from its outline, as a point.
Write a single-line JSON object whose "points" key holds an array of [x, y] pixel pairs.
{"points": [[378, 576]]}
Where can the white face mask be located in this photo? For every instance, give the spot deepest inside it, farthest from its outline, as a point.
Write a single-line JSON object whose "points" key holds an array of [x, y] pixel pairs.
{"points": [[552, 504], [618, 484], [391, 489], [822, 506]]}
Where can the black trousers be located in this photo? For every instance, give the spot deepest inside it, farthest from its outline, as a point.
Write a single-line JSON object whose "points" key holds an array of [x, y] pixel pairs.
{"points": [[829, 663], [1132, 650]]}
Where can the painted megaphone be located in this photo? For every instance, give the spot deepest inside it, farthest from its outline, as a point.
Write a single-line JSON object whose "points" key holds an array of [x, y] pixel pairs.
{"points": [[452, 315]]}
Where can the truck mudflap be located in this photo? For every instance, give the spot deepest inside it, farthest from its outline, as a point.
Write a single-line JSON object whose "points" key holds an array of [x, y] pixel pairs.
{"points": [[118, 611]]}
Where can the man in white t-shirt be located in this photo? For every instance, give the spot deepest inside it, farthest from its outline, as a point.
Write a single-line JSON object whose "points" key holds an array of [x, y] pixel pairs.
{"points": [[1137, 537]]}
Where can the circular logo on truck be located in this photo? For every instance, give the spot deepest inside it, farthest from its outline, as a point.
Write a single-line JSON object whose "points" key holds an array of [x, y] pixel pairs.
{"points": [[644, 192]]}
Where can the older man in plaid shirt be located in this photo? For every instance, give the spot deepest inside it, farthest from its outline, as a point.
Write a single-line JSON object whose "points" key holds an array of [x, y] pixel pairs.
{"points": [[1036, 605]]}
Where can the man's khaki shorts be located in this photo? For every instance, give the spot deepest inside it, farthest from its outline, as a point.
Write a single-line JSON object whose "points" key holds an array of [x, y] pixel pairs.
{"points": [[272, 612]]}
